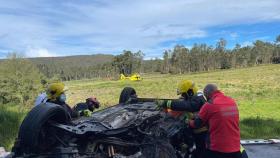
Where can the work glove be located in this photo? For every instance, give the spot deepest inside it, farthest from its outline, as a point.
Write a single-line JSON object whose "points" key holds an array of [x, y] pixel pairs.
{"points": [[86, 113], [160, 104]]}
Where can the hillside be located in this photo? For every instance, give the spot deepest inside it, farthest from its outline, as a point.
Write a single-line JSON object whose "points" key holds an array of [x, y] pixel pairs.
{"points": [[74, 61], [72, 67]]}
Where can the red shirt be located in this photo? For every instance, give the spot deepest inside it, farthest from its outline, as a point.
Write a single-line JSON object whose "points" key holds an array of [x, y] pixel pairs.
{"points": [[221, 114]]}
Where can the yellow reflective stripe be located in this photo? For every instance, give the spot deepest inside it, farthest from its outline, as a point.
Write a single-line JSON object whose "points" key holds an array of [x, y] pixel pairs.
{"points": [[200, 130], [168, 104], [241, 148], [191, 115]]}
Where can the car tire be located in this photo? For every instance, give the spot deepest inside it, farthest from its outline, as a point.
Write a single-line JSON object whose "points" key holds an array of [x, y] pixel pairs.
{"points": [[126, 94], [36, 120]]}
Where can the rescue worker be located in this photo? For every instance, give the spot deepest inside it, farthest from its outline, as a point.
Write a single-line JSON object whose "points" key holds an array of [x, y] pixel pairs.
{"points": [[86, 109], [221, 115], [42, 97], [190, 103], [56, 94]]}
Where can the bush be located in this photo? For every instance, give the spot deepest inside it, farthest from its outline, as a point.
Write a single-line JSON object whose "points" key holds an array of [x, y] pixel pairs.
{"points": [[20, 81], [276, 60]]}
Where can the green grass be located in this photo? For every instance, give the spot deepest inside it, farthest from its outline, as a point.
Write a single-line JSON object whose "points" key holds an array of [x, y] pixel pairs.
{"points": [[256, 89], [10, 120]]}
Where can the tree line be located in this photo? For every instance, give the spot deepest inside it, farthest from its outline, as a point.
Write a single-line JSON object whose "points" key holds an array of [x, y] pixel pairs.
{"points": [[179, 60], [202, 57], [22, 79]]}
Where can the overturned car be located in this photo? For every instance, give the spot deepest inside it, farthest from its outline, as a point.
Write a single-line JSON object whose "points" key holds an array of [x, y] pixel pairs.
{"points": [[134, 128]]}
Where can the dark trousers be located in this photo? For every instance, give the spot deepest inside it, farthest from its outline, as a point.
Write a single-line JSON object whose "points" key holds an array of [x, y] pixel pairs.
{"points": [[244, 154], [215, 154], [199, 140]]}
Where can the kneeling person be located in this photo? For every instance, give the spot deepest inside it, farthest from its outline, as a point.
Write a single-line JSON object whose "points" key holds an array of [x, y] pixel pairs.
{"points": [[85, 109], [56, 94]]}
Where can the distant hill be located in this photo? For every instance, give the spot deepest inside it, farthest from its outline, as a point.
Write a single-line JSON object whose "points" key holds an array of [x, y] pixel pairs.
{"points": [[72, 67], [80, 66], [74, 61]]}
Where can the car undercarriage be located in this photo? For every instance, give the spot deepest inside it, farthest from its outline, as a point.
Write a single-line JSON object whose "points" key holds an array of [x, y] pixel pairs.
{"points": [[134, 128]]}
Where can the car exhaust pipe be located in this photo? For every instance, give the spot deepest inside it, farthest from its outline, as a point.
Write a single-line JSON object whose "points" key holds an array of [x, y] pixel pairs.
{"points": [[111, 151]]}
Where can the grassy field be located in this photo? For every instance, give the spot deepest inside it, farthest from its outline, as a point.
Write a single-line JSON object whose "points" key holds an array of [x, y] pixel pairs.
{"points": [[256, 89], [10, 120]]}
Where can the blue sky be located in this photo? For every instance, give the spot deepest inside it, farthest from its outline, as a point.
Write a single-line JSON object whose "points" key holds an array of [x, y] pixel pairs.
{"points": [[41, 28]]}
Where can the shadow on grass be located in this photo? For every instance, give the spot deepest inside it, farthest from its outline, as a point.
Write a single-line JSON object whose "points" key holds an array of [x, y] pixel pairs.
{"points": [[10, 120], [259, 128]]}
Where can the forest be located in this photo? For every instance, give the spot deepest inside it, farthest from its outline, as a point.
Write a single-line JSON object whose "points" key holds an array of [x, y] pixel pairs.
{"points": [[179, 60]]}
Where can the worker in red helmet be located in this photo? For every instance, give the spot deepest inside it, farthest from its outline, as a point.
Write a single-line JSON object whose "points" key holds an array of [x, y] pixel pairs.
{"points": [[221, 115], [86, 108]]}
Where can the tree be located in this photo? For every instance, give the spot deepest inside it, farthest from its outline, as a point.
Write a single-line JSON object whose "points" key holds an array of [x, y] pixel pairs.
{"points": [[128, 62], [138, 61], [166, 63], [221, 45], [224, 58], [20, 81], [278, 39]]}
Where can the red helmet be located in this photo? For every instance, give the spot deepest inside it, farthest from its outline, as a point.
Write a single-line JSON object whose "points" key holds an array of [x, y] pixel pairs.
{"points": [[93, 101]]}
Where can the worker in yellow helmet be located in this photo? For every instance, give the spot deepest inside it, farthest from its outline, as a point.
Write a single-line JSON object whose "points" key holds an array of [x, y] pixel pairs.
{"points": [[56, 94], [189, 103]]}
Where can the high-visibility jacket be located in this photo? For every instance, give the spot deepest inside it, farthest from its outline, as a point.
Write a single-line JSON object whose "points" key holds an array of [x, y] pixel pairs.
{"points": [[221, 114]]}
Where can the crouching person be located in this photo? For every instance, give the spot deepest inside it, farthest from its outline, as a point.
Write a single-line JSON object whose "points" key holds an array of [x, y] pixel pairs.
{"points": [[56, 94], [221, 114], [86, 108]]}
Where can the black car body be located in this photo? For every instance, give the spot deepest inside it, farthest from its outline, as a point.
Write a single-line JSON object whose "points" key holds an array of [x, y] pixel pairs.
{"points": [[134, 128]]}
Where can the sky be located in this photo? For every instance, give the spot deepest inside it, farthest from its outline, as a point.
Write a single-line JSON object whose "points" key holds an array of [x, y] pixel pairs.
{"points": [[44, 28]]}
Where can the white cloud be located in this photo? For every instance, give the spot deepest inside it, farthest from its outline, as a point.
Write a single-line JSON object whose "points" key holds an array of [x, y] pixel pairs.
{"points": [[234, 35], [39, 52], [111, 26], [247, 43]]}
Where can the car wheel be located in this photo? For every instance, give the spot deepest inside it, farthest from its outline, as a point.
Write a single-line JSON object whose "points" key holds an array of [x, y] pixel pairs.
{"points": [[126, 94], [35, 131]]}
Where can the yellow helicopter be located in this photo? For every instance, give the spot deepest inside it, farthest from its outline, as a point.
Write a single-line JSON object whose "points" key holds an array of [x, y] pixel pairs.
{"points": [[134, 77]]}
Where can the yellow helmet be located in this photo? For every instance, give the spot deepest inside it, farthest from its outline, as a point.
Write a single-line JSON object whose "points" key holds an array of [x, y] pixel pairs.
{"points": [[185, 85], [55, 90]]}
